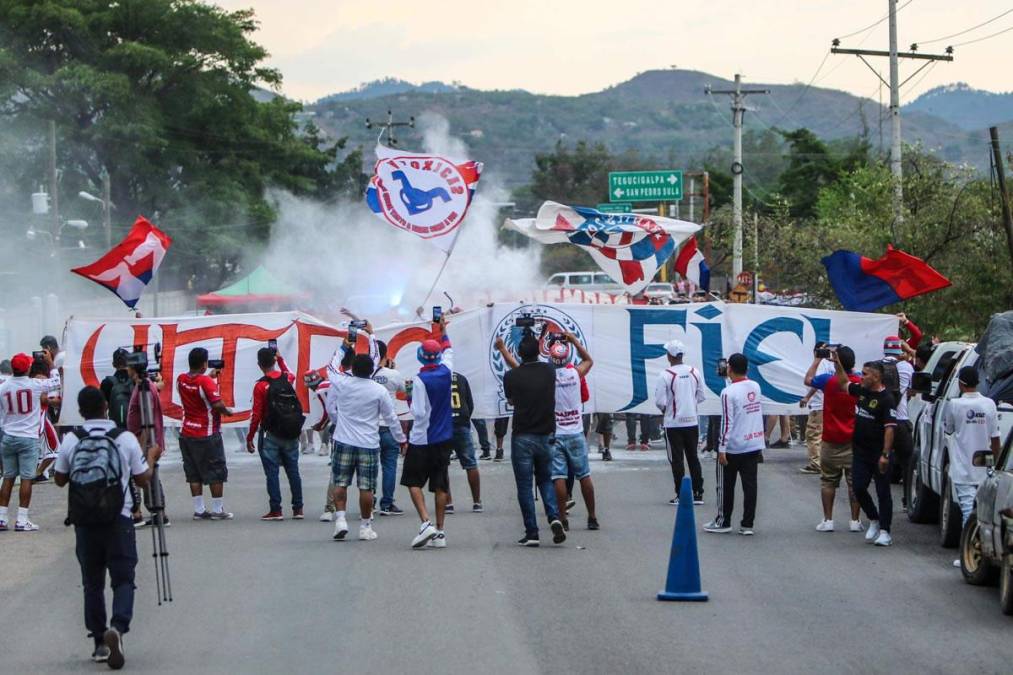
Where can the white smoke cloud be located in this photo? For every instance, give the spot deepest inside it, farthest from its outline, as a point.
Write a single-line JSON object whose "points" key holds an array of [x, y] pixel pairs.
{"points": [[344, 256]]}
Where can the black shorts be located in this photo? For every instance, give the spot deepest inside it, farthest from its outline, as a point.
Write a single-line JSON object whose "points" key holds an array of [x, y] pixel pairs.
{"points": [[604, 423], [427, 463], [203, 459]]}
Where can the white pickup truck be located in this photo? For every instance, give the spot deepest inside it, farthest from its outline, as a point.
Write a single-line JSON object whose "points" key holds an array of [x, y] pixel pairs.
{"points": [[927, 485]]}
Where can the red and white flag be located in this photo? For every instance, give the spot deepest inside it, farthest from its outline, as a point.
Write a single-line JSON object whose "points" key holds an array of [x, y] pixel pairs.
{"points": [[127, 269]]}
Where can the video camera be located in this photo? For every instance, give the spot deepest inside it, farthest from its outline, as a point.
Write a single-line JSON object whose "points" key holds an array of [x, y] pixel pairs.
{"points": [[526, 322], [552, 338], [137, 359]]}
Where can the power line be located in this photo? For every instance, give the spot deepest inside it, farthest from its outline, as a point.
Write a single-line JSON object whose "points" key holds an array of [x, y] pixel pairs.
{"points": [[982, 39], [805, 91], [873, 25], [968, 30]]}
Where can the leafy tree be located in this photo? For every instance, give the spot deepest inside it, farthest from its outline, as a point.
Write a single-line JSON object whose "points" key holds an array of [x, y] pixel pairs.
{"points": [[158, 94]]}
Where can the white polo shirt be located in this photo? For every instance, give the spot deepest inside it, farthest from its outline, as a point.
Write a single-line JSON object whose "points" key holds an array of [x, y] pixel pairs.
{"points": [[131, 458]]}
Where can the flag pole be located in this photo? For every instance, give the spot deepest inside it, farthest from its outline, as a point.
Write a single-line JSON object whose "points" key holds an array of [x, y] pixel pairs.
{"points": [[421, 308]]}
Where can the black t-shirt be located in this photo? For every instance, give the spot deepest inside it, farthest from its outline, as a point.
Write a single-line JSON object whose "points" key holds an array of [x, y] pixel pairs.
{"points": [[461, 402], [875, 411], [531, 389]]}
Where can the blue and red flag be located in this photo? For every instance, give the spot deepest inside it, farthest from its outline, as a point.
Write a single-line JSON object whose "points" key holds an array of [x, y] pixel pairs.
{"points": [[629, 247], [863, 284], [691, 264], [127, 269]]}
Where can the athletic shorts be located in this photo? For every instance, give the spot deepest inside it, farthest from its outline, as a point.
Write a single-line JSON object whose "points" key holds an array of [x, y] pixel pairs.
{"points": [[348, 461], [427, 463], [204, 459], [465, 448], [835, 461], [569, 453], [20, 456]]}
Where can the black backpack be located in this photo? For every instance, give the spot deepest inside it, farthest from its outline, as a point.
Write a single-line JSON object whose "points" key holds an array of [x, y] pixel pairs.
{"points": [[891, 378], [96, 492], [284, 417], [119, 398]]}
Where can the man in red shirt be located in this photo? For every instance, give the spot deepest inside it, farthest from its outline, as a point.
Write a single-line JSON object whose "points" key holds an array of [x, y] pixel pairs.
{"points": [[276, 450], [838, 429], [200, 440]]}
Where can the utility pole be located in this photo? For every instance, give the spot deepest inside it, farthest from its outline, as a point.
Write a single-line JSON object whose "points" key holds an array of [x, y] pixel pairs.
{"points": [[1000, 173], [738, 112], [54, 192], [894, 84], [107, 206], [389, 126], [756, 258]]}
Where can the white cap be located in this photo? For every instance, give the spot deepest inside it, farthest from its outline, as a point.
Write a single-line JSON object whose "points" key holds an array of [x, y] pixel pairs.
{"points": [[675, 348]]}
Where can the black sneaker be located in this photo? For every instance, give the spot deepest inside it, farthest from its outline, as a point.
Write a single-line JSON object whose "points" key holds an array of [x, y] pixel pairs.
{"points": [[528, 541], [101, 653], [592, 524], [477, 507], [449, 509], [566, 524], [499, 456], [570, 503], [392, 510], [40, 479], [558, 533], [780, 445], [114, 641], [673, 502], [486, 455], [203, 515], [698, 498], [606, 455]]}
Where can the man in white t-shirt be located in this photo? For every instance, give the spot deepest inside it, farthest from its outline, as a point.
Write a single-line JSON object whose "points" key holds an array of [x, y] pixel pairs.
{"points": [[973, 422], [679, 390], [107, 547], [21, 399], [814, 402], [742, 442]]}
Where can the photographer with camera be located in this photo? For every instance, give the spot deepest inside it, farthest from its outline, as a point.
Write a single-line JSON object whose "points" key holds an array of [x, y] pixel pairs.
{"points": [[677, 394], [741, 445], [277, 414], [200, 440], [838, 429], [21, 399], [100, 514], [151, 386], [813, 401], [117, 389]]}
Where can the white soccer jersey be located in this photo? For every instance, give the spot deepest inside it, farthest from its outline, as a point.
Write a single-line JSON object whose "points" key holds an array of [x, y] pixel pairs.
{"points": [[741, 418], [679, 390], [568, 405], [21, 404], [974, 422]]}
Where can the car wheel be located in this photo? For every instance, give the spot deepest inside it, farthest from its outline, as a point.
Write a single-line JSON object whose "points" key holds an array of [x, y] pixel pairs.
{"points": [[977, 569], [1006, 585], [922, 506], [949, 517]]}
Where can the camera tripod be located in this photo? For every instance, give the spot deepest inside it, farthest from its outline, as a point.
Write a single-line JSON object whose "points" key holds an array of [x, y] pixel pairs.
{"points": [[155, 500]]}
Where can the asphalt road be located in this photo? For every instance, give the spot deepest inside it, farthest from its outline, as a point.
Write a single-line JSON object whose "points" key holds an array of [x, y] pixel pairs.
{"points": [[256, 597]]}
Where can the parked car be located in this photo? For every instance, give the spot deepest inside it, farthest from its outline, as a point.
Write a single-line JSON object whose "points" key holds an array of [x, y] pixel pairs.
{"points": [[660, 292], [585, 281], [986, 545], [927, 485]]}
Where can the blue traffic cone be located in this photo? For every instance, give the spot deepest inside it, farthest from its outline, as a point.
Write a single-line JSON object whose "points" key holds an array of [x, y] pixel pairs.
{"points": [[683, 582]]}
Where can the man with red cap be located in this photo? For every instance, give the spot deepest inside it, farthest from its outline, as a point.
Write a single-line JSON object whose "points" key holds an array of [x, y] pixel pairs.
{"points": [[428, 457], [21, 399]]}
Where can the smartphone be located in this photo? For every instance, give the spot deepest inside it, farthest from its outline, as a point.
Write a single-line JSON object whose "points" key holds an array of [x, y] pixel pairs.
{"points": [[39, 356], [272, 345], [216, 364], [437, 313], [353, 334]]}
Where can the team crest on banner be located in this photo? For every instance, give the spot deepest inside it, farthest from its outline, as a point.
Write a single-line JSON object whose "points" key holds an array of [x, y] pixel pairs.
{"points": [[426, 195], [548, 319]]}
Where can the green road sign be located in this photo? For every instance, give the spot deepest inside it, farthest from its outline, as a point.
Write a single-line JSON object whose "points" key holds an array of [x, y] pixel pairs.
{"points": [[618, 207], [645, 186]]}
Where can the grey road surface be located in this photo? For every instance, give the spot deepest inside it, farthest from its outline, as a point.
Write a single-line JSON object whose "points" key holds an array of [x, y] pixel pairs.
{"points": [[270, 597]]}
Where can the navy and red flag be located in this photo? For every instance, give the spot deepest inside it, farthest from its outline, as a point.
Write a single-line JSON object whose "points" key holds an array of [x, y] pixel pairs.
{"points": [[864, 284], [127, 269]]}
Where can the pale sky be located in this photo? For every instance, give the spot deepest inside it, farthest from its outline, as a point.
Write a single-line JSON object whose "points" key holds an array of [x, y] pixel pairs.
{"points": [[574, 47]]}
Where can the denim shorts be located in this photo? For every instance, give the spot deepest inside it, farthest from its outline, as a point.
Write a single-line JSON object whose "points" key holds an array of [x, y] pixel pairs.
{"points": [[569, 453], [348, 461], [20, 456], [465, 448]]}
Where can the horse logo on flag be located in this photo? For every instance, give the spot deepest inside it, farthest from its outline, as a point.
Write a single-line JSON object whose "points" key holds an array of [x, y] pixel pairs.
{"points": [[131, 264], [426, 195]]}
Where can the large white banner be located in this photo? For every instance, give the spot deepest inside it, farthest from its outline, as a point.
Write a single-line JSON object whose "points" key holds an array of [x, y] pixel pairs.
{"points": [[625, 342]]}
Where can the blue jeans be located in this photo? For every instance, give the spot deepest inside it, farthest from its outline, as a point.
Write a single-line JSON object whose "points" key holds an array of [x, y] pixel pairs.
{"points": [[274, 454], [483, 434], [389, 451], [102, 548], [532, 454]]}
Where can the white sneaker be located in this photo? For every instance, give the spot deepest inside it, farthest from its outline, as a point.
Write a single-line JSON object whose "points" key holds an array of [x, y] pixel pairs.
{"points": [[956, 563], [323, 452], [426, 532], [855, 526], [825, 526], [439, 541], [367, 533], [27, 526], [872, 532], [326, 516], [884, 539], [340, 527], [717, 528]]}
